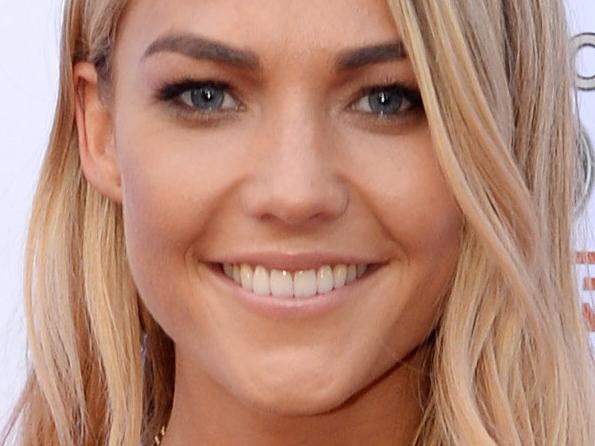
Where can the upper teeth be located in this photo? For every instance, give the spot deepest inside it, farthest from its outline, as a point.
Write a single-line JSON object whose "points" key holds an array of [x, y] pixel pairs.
{"points": [[304, 283]]}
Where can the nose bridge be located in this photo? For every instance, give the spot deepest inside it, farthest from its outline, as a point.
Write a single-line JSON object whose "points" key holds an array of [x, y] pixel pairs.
{"points": [[294, 178]]}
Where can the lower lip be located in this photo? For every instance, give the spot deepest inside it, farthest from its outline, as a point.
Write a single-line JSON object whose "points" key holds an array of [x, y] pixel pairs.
{"points": [[292, 307]]}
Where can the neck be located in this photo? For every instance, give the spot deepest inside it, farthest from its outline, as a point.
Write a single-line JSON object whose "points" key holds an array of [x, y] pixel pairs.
{"points": [[387, 412]]}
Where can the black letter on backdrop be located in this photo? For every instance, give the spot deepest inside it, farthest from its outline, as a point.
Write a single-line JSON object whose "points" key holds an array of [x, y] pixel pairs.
{"points": [[585, 83]]}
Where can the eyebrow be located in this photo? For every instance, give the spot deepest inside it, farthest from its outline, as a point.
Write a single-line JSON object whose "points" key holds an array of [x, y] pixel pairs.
{"points": [[383, 52], [197, 47], [202, 48]]}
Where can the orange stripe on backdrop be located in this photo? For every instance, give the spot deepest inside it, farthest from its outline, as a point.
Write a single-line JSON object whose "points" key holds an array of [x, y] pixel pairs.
{"points": [[589, 316], [588, 258], [585, 257]]}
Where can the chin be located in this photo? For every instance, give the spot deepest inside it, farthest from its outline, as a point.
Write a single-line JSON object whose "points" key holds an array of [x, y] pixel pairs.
{"points": [[296, 397], [294, 405]]}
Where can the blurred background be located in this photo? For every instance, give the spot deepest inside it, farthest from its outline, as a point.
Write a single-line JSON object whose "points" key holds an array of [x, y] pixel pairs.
{"points": [[28, 88]]}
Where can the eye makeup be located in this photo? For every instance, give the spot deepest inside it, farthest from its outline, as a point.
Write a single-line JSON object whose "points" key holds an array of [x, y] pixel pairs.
{"points": [[211, 99]]}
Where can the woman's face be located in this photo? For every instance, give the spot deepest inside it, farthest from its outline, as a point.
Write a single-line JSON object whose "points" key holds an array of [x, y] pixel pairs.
{"points": [[253, 132]]}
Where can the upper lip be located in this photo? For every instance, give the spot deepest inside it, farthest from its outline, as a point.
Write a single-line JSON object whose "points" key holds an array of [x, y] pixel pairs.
{"points": [[296, 261]]}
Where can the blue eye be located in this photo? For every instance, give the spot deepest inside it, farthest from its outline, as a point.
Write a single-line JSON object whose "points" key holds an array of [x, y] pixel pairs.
{"points": [[199, 96], [209, 98], [387, 100]]}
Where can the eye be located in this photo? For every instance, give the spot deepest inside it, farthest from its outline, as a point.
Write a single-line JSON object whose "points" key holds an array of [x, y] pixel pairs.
{"points": [[199, 96], [208, 97], [388, 100]]}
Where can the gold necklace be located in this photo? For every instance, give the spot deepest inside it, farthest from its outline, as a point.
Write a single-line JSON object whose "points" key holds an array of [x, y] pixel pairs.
{"points": [[157, 439]]}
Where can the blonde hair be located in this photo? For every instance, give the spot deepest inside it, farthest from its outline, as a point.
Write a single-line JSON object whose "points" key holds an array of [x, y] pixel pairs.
{"points": [[510, 360]]}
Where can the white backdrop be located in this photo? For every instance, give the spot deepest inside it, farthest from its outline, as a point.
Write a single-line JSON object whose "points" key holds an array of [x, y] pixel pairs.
{"points": [[28, 85]]}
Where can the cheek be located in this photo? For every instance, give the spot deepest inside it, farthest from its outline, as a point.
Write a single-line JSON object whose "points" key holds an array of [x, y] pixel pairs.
{"points": [[405, 189], [426, 218], [171, 189], [421, 218], [172, 181]]}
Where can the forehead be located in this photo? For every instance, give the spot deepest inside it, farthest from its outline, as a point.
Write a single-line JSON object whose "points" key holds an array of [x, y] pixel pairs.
{"points": [[270, 27]]}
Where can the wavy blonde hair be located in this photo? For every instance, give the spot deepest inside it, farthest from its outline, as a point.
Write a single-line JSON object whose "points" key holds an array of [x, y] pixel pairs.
{"points": [[510, 360]]}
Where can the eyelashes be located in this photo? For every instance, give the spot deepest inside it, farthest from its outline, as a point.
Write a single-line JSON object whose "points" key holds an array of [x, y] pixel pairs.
{"points": [[204, 96], [388, 100], [210, 100]]}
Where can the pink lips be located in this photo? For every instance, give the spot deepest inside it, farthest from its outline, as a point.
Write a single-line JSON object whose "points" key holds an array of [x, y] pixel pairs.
{"points": [[290, 307]]}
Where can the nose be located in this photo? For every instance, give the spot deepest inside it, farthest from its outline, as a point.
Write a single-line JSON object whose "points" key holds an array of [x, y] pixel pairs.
{"points": [[295, 180]]}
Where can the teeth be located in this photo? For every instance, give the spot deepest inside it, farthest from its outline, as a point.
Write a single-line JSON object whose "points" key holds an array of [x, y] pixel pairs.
{"points": [[236, 274], [281, 283], [324, 279], [340, 275], [351, 273], [361, 269], [304, 283], [246, 276], [301, 284], [262, 283]]}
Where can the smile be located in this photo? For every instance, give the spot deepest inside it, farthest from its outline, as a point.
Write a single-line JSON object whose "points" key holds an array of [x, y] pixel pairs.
{"points": [[299, 284], [292, 295]]}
